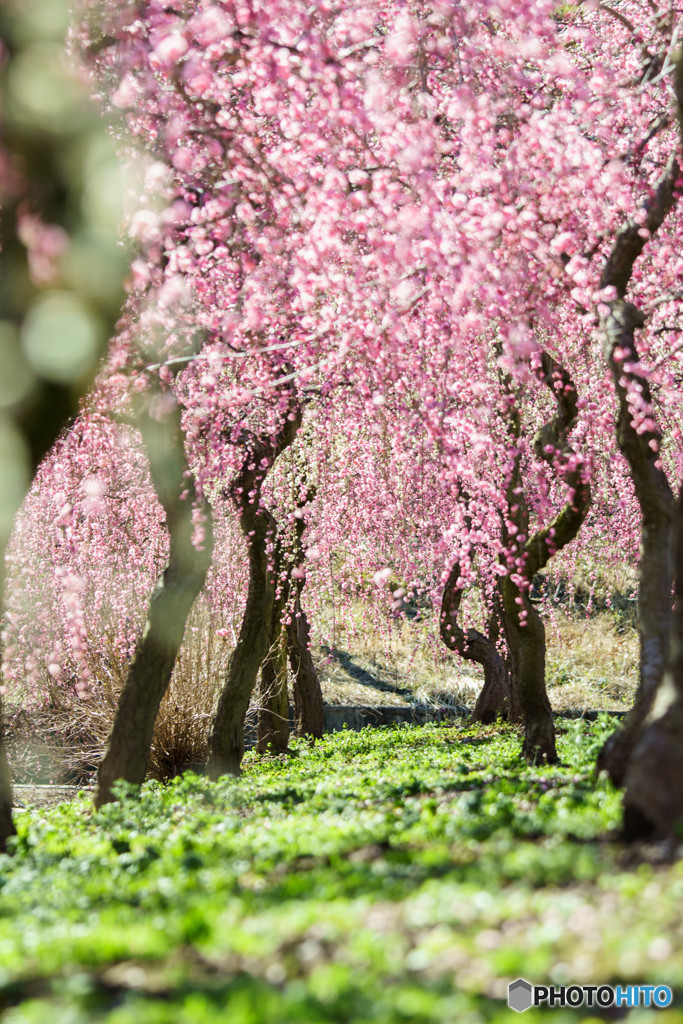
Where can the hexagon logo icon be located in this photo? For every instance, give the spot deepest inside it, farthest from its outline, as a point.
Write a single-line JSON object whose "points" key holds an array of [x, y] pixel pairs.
{"points": [[519, 995]]}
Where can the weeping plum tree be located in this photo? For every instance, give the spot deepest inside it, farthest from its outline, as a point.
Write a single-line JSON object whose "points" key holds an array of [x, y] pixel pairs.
{"points": [[516, 683], [640, 441], [377, 183], [524, 627], [500, 693]]}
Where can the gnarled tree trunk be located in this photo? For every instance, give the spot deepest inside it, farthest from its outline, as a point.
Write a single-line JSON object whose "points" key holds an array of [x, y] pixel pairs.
{"points": [[226, 738], [499, 695], [527, 651], [495, 699], [150, 671], [653, 796], [524, 627], [309, 711], [655, 568], [273, 714], [642, 452], [291, 640], [654, 494]]}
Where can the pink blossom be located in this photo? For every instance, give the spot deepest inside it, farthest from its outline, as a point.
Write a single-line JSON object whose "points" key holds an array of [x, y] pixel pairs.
{"points": [[169, 50]]}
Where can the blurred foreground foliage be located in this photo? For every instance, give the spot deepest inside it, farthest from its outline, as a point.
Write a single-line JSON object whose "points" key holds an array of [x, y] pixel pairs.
{"points": [[61, 264], [388, 875]]}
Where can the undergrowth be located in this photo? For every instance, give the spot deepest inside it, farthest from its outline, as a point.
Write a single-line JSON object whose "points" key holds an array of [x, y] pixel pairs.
{"points": [[390, 875]]}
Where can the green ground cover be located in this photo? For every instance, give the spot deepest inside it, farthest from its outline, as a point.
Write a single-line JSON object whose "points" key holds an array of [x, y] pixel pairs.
{"points": [[383, 876]]}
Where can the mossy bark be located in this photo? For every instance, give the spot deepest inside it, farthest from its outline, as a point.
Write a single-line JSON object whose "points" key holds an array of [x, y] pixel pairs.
{"points": [[150, 671]]}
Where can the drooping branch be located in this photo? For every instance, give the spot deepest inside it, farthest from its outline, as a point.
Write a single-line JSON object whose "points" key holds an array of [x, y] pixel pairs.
{"points": [[499, 695], [641, 445], [633, 237]]}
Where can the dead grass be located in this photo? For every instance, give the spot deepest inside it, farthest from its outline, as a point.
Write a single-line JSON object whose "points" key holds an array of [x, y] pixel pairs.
{"points": [[592, 662], [62, 739], [366, 659]]}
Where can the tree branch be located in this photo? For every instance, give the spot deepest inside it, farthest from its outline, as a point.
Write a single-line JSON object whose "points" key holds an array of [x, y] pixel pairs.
{"points": [[550, 440]]}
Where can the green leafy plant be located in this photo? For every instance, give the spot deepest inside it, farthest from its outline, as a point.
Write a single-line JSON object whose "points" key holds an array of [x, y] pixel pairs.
{"points": [[385, 875]]}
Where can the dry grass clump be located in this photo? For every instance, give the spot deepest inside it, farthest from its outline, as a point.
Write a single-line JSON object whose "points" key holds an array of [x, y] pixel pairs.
{"points": [[63, 738]]}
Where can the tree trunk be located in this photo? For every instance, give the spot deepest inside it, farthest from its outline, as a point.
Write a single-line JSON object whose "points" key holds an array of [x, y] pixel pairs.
{"points": [[309, 711], [226, 738], [527, 653], [655, 569], [653, 797], [642, 451], [498, 695], [273, 716], [492, 700], [7, 828], [308, 698], [150, 671], [524, 627]]}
